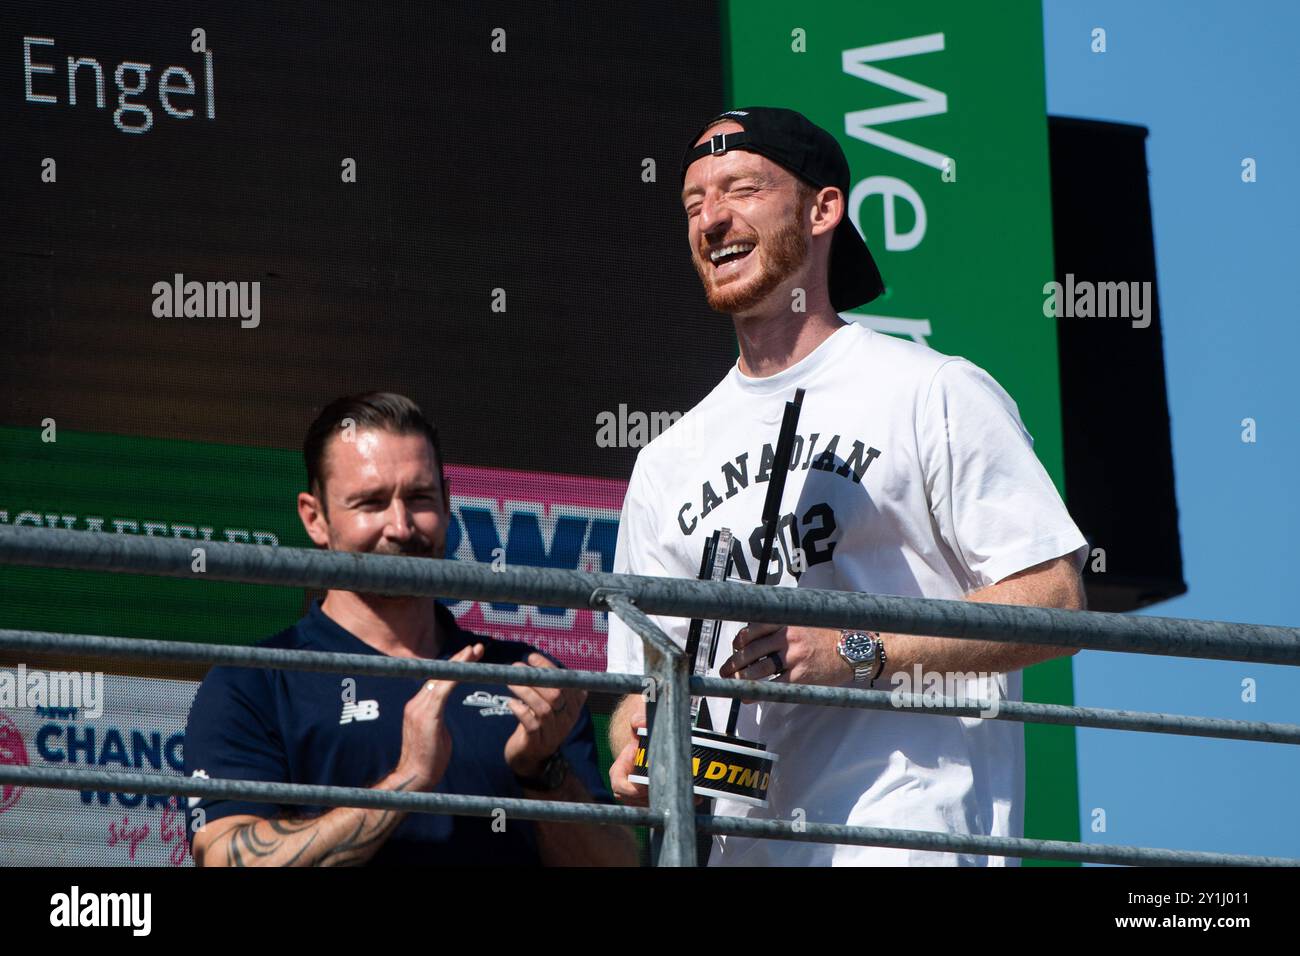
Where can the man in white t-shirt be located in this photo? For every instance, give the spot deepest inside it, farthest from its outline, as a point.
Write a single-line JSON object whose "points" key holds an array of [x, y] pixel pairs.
{"points": [[912, 474]]}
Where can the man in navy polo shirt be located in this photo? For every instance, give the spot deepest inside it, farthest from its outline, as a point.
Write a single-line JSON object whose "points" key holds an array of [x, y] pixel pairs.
{"points": [[374, 470]]}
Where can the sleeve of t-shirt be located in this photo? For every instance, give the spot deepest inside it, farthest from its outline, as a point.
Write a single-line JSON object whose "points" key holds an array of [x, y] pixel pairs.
{"points": [[993, 502], [636, 552], [232, 734]]}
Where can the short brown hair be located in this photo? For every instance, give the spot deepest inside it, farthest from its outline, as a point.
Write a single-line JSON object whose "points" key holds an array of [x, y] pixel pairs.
{"points": [[386, 411]]}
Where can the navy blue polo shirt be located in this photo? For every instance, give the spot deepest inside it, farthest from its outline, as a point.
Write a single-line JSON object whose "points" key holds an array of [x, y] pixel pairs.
{"points": [[294, 727]]}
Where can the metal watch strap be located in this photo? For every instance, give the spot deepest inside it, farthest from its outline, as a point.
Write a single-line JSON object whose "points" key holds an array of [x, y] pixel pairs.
{"points": [[863, 672]]}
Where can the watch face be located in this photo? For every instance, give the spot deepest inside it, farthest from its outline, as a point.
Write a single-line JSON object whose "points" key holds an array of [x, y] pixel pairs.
{"points": [[858, 647], [556, 769]]}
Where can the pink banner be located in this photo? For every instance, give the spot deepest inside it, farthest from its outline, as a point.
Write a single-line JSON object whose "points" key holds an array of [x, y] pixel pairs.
{"points": [[504, 518]]}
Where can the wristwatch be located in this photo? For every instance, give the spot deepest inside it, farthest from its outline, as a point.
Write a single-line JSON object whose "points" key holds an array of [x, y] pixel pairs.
{"points": [[864, 651], [551, 776]]}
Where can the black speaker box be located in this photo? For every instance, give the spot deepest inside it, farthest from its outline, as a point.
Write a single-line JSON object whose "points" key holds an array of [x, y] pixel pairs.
{"points": [[1119, 472]]}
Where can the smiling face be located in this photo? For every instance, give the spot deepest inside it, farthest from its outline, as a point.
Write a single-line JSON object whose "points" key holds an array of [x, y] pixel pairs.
{"points": [[383, 495], [747, 227]]}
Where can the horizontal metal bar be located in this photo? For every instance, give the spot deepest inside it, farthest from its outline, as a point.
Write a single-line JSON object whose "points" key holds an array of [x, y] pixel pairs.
{"points": [[284, 659], [981, 845], [731, 601], [1020, 711], [558, 811], [46, 642], [301, 794]]}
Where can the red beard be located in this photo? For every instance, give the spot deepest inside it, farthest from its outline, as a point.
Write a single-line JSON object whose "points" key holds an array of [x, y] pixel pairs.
{"points": [[783, 254]]}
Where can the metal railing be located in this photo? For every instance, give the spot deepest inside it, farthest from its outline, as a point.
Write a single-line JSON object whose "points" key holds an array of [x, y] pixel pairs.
{"points": [[633, 598]]}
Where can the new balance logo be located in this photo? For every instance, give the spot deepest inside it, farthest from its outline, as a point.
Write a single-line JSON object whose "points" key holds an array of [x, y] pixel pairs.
{"points": [[361, 710], [493, 705]]}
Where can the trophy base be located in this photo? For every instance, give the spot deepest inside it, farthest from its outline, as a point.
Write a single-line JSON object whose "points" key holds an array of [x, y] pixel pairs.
{"points": [[727, 767]]}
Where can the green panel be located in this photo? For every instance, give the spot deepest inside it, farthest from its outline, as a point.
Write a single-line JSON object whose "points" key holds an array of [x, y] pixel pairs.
{"points": [[604, 759], [185, 489], [977, 273]]}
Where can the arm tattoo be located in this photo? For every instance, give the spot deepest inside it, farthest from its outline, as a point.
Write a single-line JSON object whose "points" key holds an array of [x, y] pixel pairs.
{"points": [[352, 850], [245, 847], [243, 840]]}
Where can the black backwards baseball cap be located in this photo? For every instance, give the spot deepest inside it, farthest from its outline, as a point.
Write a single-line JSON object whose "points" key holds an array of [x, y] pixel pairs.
{"points": [[791, 140]]}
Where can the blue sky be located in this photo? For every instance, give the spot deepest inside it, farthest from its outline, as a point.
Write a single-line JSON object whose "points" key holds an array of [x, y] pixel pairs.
{"points": [[1214, 82]]}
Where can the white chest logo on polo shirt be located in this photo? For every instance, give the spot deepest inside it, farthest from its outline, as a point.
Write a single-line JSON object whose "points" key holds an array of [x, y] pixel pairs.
{"points": [[361, 710], [494, 705]]}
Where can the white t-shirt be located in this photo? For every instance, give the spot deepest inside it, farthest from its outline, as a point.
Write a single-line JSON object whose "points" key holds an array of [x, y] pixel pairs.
{"points": [[912, 475]]}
